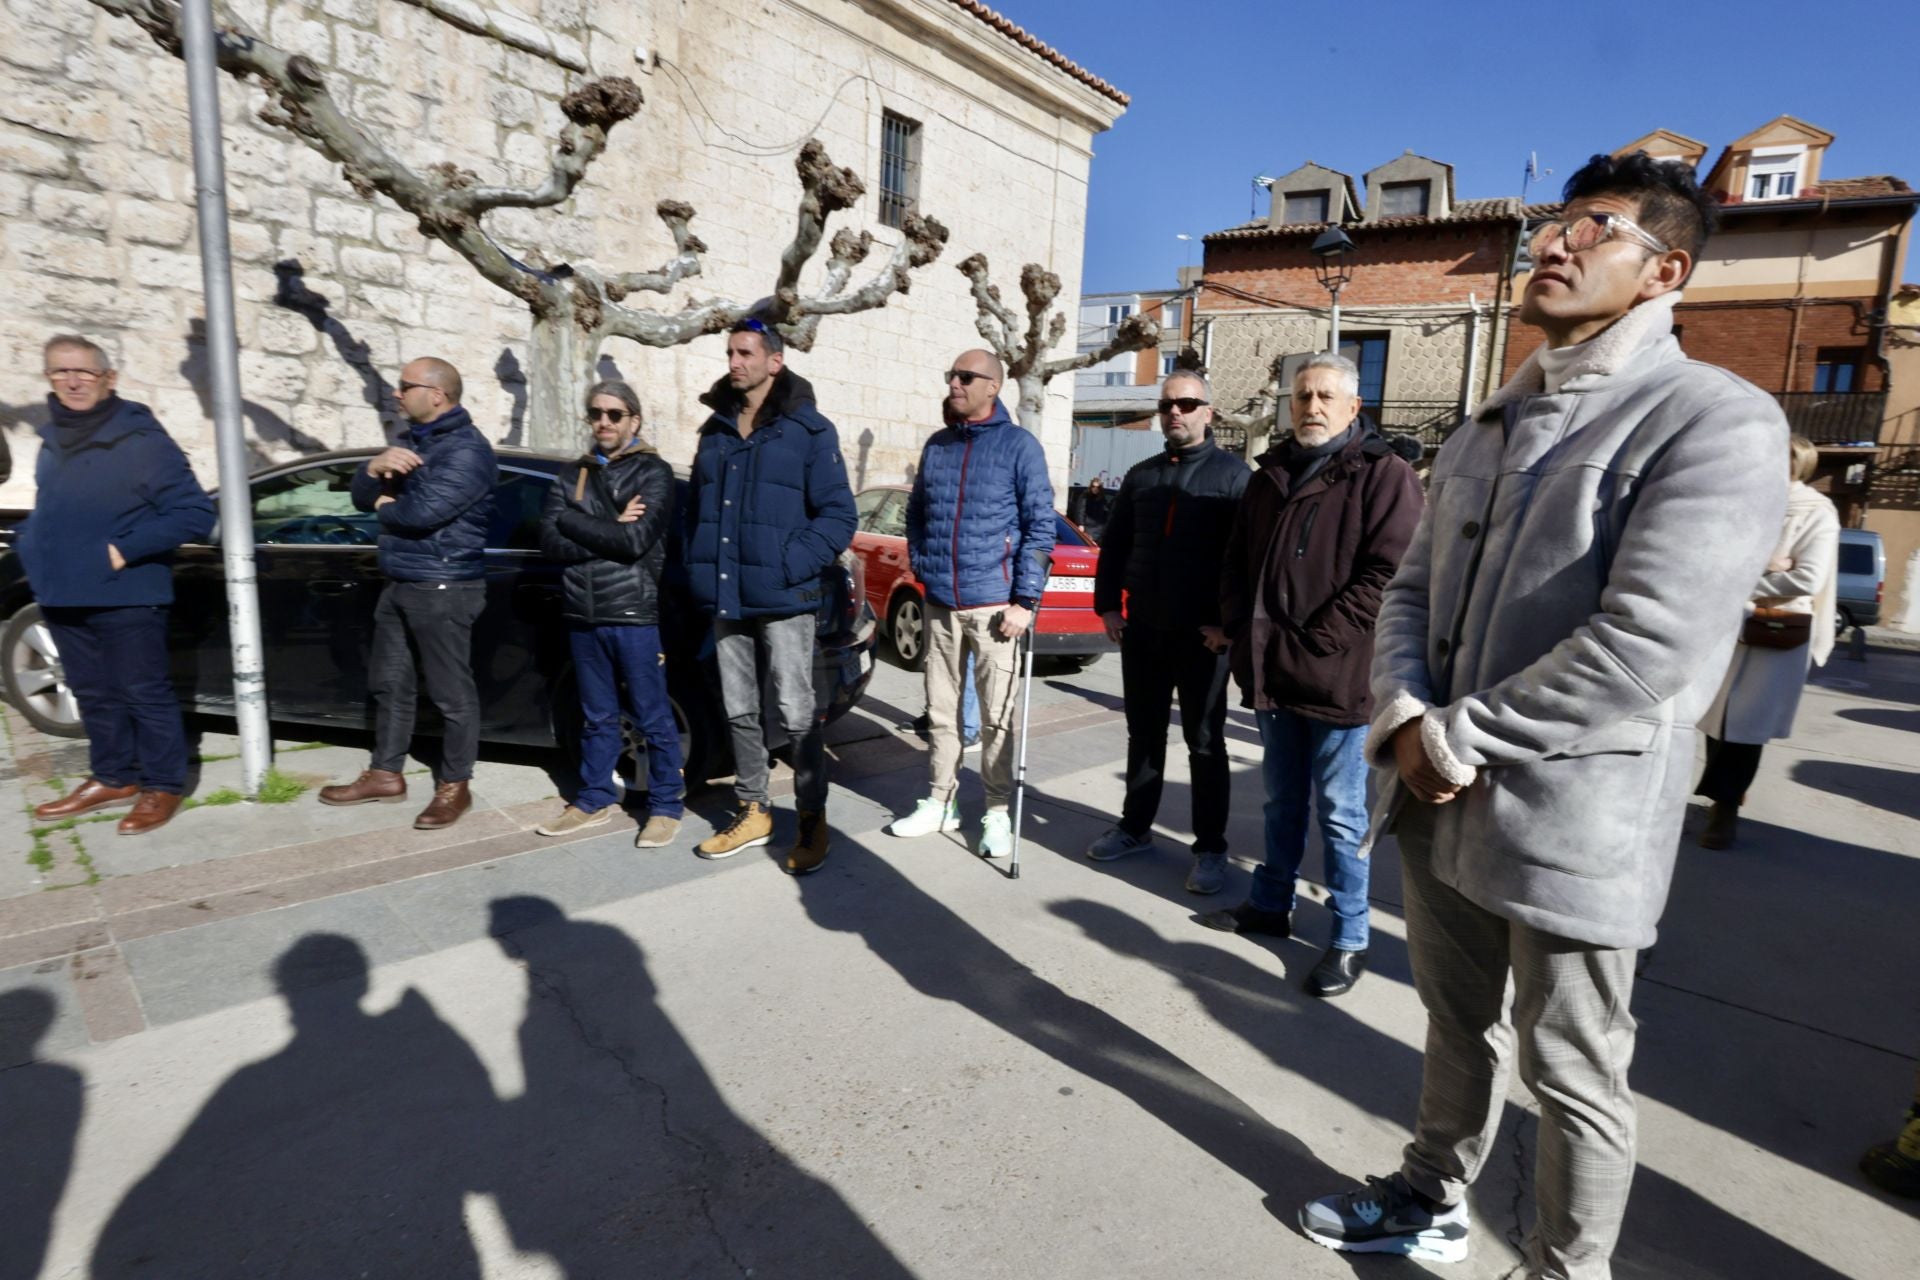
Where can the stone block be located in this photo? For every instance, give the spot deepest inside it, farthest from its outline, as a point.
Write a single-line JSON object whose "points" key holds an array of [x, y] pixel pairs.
{"points": [[348, 218], [284, 333], [315, 254], [250, 241], [57, 111], [281, 204], [397, 305], [446, 279], [15, 194], [157, 268], [383, 107], [152, 221], [293, 31], [164, 133], [69, 209], [530, 152], [117, 169], [257, 154], [373, 265], [264, 376], [360, 53], [399, 231], [21, 152], [43, 249], [454, 315], [362, 13], [512, 107], [34, 48]]}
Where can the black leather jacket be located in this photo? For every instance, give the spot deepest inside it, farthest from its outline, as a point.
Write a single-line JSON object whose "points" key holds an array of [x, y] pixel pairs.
{"points": [[1166, 537], [613, 570]]}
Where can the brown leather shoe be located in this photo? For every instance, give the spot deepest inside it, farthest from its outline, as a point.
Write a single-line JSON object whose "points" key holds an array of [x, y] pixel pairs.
{"points": [[382, 785], [450, 800], [85, 798], [153, 810]]}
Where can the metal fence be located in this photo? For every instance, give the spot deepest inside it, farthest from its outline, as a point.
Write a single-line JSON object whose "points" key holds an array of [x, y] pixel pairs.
{"points": [[1429, 421], [1835, 417]]}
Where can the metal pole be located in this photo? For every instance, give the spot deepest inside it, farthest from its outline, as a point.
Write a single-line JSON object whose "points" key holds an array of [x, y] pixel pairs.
{"points": [[223, 365], [1333, 343]]}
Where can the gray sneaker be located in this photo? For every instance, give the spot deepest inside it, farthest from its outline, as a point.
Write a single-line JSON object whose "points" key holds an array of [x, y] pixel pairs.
{"points": [[1385, 1216], [1116, 843], [1209, 874]]}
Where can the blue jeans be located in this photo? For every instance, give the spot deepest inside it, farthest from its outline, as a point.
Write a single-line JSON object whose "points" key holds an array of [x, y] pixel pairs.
{"points": [[116, 664], [602, 658], [1307, 760]]}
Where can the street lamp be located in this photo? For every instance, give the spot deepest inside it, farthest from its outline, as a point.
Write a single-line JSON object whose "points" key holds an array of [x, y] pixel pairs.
{"points": [[1334, 249]]}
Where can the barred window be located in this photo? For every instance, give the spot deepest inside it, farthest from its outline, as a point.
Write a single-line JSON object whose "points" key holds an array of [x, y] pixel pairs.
{"points": [[899, 168]]}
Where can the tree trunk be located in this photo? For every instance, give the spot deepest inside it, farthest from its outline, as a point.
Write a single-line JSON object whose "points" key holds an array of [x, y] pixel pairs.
{"points": [[560, 368], [1033, 402]]}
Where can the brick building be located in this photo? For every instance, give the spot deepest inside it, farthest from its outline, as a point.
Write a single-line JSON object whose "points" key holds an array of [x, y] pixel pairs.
{"points": [[940, 105], [1419, 317]]}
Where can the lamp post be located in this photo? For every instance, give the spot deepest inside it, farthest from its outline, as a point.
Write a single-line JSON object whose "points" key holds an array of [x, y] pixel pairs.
{"points": [[1334, 250]]}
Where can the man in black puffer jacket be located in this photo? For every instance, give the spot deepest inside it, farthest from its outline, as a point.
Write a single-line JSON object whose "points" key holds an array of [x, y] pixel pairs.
{"points": [[1163, 546], [607, 518], [433, 496]]}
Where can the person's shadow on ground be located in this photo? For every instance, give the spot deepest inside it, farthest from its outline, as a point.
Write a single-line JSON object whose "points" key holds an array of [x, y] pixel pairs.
{"points": [[40, 1109], [347, 1153]]}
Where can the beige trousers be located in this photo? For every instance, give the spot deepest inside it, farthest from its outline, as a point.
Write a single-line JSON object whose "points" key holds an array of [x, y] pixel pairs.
{"points": [[951, 633]]}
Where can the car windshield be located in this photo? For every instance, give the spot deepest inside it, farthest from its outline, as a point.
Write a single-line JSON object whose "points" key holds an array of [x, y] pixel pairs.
{"points": [[1064, 532]]}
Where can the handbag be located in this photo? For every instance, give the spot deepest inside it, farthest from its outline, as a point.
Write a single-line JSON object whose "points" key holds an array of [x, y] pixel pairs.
{"points": [[1776, 629]]}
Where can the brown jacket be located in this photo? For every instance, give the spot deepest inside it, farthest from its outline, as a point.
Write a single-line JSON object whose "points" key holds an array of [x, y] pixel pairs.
{"points": [[1328, 553]]}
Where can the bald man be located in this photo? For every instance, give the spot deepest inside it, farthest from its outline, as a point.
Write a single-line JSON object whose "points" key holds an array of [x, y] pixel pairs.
{"points": [[980, 523], [433, 495]]}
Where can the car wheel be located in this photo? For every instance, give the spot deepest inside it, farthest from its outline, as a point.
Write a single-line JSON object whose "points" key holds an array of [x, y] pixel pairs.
{"points": [[907, 629], [1841, 621], [36, 683]]}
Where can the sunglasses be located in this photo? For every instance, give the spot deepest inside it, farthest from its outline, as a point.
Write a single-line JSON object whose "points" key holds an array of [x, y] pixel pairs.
{"points": [[615, 416], [405, 387], [1592, 229], [1186, 404], [967, 377]]}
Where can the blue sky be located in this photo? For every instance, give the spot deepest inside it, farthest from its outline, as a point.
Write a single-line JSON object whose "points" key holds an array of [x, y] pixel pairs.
{"points": [[1226, 89]]}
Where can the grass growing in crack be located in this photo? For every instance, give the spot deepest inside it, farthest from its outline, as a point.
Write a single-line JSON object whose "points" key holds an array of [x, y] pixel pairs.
{"points": [[40, 857], [279, 751], [275, 788]]}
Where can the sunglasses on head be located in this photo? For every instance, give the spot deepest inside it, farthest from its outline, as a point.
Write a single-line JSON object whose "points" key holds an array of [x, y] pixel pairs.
{"points": [[615, 416], [967, 377], [1186, 404]]}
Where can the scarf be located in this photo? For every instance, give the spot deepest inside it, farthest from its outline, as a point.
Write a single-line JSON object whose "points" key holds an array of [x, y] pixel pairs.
{"points": [[73, 428], [453, 419], [1599, 357]]}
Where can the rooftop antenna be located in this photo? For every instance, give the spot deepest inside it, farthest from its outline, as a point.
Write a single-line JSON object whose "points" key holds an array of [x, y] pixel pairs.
{"points": [[1263, 182]]}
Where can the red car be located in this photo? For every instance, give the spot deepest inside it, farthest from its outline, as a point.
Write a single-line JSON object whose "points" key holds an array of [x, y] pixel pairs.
{"points": [[1069, 629]]}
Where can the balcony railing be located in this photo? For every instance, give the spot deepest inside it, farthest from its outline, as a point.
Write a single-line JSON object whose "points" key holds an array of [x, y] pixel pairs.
{"points": [[1429, 421], [1835, 417]]}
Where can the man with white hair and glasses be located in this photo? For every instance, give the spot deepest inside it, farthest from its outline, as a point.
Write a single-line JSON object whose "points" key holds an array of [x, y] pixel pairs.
{"points": [[1560, 623]]}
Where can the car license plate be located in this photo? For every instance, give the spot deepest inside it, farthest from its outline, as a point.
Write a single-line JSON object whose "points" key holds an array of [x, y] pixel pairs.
{"points": [[1059, 582]]}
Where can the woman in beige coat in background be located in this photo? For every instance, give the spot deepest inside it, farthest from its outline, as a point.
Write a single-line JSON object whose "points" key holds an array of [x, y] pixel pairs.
{"points": [[1761, 691]]}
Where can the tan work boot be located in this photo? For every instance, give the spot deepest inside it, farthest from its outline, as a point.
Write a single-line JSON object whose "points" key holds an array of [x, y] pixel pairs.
{"points": [[154, 809], [381, 785], [85, 798], [572, 820], [810, 850], [659, 832], [450, 801], [752, 825]]}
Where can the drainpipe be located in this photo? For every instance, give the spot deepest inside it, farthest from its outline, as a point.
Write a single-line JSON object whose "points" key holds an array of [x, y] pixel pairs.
{"points": [[1473, 355]]}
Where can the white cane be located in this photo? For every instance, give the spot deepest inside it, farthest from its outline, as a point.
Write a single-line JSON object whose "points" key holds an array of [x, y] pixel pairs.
{"points": [[1026, 714]]}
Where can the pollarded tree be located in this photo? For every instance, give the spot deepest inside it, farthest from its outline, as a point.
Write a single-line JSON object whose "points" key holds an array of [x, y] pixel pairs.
{"points": [[574, 307], [1023, 348]]}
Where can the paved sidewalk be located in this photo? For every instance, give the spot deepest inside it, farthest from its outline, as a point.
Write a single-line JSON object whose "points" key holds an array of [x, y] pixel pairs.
{"points": [[582, 1060]]}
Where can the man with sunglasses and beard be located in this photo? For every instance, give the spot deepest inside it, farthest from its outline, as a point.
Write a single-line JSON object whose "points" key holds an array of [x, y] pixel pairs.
{"points": [[607, 519], [1167, 530], [980, 523], [1558, 626]]}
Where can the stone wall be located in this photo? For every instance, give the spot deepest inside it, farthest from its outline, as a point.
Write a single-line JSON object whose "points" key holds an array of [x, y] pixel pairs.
{"points": [[334, 291]]}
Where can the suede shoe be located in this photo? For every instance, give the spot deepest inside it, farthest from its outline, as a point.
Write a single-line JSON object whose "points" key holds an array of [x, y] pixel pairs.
{"points": [[659, 832], [1249, 919], [1209, 874], [810, 850], [382, 786], [1723, 825], [1114, 843], [450, 801], [752, 825], [153, 810], [85, 798], [1336, 973], [572, 819]]}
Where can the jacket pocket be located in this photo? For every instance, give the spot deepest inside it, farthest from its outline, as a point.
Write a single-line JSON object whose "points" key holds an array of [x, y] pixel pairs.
{"points": [[1585, 810]]}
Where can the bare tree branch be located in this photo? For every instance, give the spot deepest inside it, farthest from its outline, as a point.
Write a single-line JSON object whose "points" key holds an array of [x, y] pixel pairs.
{"points": [[687, 248], [509, 29], [1135, 333], [995, 320], [591, 110]]}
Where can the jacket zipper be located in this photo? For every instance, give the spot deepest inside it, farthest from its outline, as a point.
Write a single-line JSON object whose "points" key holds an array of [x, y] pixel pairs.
{"points": [[1306, 528], [959, 504]]}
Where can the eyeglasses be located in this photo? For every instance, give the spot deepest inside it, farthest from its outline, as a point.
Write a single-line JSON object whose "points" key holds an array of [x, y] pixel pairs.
{"points": [[1186, 404], [967, 377], [405, 387], [85, 375], [1591, 229], [615, 416]]}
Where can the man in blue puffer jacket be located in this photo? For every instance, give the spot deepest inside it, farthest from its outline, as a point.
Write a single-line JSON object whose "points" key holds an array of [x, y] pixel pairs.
{"points": [[113, 498], [980, 524], [770, 509], [433, 496]]}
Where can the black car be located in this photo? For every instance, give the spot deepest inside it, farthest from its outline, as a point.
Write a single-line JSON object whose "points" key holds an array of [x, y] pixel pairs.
{"points": [[319, 578]]}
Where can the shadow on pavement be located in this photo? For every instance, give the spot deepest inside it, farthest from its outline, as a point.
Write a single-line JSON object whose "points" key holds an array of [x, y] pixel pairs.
{"points": [[1882, 717], [351, 1151], [1889, 789], [40, 1108]]}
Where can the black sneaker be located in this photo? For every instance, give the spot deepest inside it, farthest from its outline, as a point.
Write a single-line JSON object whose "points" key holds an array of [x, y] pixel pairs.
{"points": [[1386, 1216], [1247, 918]]}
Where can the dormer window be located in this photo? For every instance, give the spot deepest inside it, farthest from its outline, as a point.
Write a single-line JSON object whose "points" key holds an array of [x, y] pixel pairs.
{"points": [[1774, 175], [1307, 206], [1404, 199]]}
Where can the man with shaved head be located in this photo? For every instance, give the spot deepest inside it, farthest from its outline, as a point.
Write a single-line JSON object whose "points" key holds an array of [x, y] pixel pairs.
{"points": [[979, 523], [433, 495]]}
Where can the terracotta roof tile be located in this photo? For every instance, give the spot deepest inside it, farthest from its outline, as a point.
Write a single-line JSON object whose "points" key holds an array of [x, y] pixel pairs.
{"points": [[1020, 36], [1852, 188], [1496, 210]]}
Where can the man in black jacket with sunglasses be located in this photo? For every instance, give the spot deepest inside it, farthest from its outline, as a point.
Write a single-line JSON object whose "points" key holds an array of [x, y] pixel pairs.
{"points": [[1163, 543]]}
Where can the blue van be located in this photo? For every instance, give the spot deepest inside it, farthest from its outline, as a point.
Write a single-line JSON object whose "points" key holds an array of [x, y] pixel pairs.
{"points": [[1862, 579]]}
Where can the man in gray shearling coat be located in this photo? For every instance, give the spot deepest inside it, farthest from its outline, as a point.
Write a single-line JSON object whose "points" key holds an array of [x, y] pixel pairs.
{"points": [[1560, 622]]}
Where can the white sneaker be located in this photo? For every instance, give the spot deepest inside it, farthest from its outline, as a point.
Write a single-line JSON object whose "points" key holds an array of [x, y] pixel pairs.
{"points": [[996, 835], [927, 817]]}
